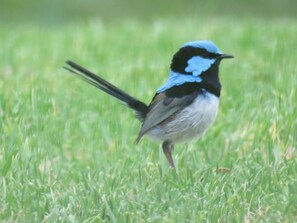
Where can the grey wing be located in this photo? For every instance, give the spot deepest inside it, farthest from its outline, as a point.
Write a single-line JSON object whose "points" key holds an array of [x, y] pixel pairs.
{"points": [[162, 108]]}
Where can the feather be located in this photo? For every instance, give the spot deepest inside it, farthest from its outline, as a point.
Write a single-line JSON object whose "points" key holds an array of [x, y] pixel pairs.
{"points": [[162, 108], [139, 107]]}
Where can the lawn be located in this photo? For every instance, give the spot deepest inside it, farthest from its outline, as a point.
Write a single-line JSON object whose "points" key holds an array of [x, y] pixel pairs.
{"points": [[67, 151]]}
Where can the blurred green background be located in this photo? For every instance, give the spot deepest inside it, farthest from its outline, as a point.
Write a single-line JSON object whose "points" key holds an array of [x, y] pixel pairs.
{"points": [[57, 12], [67, 151]]}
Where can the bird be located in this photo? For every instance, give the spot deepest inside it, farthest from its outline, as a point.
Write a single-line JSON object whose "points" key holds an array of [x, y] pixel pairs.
{"points": [[184, 107]]}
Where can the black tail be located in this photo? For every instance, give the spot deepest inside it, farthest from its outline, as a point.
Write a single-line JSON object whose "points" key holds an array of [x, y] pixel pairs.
{"points": [[139, 107]]}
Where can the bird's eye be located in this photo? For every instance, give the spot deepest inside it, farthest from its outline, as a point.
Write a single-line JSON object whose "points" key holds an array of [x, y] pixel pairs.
{"points": [[202, 52]]}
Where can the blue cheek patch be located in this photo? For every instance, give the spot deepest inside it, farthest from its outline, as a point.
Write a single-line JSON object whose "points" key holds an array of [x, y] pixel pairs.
{"points": [[176, 79], [197, 65]]}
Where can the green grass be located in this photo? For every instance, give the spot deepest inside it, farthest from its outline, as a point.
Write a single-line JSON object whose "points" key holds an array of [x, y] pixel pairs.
{"points": [[67, 151]]}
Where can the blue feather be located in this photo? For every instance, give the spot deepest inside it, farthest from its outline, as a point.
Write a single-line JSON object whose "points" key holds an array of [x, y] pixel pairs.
{"points": [[197, 64], [176, 79], [205, 44]]}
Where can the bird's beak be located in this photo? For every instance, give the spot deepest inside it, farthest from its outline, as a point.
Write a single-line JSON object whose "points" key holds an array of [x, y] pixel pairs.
{"points": [[225, 56]]}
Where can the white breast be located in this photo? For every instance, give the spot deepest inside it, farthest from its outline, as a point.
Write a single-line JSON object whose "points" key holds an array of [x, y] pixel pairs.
{"points": [[191, 122]]}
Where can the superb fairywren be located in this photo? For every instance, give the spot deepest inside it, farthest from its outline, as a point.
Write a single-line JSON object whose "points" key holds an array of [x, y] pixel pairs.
{"points": [[185, 106]]}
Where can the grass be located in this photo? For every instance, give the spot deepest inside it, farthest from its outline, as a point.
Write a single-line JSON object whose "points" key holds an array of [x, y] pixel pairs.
{"points": [[67, 151]]}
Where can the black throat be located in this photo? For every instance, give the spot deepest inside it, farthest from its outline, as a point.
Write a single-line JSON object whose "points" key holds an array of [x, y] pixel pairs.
{"points": [[210, 79]]}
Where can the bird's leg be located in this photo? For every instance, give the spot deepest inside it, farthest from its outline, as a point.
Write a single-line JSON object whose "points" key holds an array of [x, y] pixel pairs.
{"points": [[168, 147]]}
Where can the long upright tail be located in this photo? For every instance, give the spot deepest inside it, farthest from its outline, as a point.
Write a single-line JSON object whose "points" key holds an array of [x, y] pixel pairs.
{"points": [[139, 107]]}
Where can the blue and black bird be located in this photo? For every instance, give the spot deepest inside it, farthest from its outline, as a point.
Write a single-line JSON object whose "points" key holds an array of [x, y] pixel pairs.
{"points": [[185, 106]]}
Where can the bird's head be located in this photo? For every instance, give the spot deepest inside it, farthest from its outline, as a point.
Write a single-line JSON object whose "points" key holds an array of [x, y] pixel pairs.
{"points": [[196, 62], [196, 57]]}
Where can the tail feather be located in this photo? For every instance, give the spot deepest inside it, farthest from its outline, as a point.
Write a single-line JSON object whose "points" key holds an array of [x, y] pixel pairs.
{"points": [[139, 107]]}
